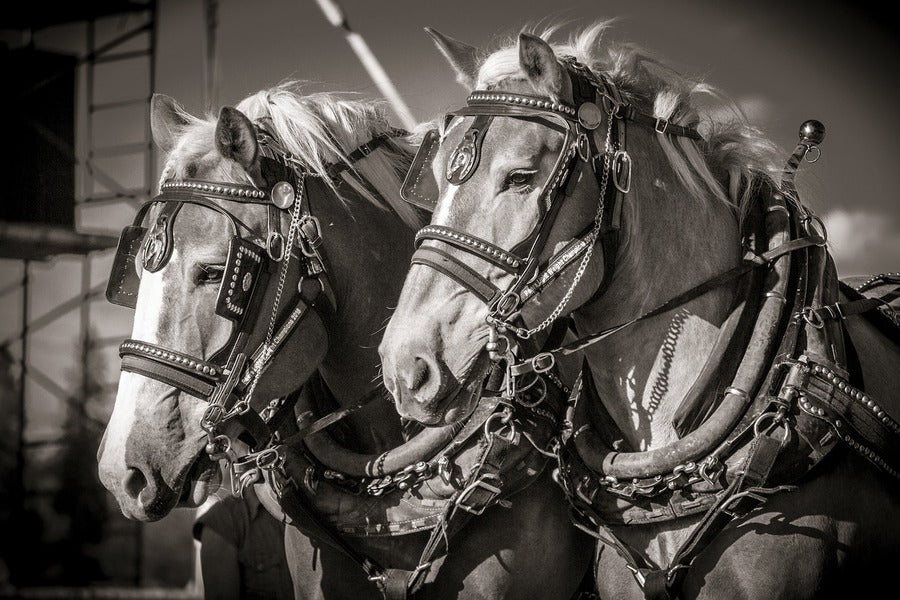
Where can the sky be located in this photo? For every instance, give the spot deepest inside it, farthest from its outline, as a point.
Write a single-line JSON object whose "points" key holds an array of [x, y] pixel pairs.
{"points": [[782, 62]]}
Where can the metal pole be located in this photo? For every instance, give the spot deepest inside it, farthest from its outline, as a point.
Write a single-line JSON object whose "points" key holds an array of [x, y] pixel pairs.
{"points": [[336, 16], [23, 380], [211, 16]]}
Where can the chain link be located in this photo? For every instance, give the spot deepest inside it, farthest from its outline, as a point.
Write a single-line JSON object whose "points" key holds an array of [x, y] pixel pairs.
{"points": [[595, 233], [282, 276]]}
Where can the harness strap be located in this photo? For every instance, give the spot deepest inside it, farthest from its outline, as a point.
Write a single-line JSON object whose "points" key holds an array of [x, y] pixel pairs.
{"points": [[364, 150], [457, 270], [842, 310], [658, 124], [486, 250], [295, 505], [686, 296]]}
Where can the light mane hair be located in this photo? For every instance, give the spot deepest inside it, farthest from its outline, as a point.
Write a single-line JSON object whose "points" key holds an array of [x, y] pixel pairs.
{"points": [[732, 161], [319, 129]]}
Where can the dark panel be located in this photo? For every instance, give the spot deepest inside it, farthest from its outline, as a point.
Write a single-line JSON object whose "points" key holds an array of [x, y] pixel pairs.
{"points": [[37, 15], [37, 166]]}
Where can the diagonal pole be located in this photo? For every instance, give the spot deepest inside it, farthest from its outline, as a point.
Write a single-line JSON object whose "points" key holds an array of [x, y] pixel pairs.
{"points": [[336, 16]]}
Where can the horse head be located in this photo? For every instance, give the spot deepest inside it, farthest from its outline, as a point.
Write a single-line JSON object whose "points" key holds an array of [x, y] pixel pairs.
{"points": [[240, 273], [497, 182]]}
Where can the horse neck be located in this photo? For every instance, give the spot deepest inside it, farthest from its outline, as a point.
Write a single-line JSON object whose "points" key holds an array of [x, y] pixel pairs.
{"points": [[670, 242], [367, 252]]}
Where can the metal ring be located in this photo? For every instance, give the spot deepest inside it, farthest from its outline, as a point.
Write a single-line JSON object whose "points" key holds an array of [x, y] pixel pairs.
{"points": [[812, 317], [270, 244], [777, 418], [812, 150], [621, 159], [541, 396]]}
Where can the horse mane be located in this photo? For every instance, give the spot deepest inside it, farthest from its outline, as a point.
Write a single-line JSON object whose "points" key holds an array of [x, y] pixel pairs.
{"points": [[323, 128], [735, 159], [319, 130]]}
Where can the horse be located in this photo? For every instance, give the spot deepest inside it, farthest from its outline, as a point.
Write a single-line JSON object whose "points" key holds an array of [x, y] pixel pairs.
{"points": [[733, 432], [261, 277]]}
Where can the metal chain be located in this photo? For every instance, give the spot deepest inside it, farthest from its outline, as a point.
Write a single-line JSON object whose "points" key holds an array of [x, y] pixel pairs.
{"points": [[595, 233], [282, 276]]}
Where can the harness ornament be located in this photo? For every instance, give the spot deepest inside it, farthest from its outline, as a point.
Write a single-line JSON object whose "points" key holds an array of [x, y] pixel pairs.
{"points": [[464, 159], [156, 245]]}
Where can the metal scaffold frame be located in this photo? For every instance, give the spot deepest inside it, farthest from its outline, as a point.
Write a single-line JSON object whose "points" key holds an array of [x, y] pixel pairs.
{"points": [[95, 185]]}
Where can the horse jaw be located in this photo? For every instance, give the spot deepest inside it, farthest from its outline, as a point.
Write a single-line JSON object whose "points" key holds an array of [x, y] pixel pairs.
{"points": [[151, 457]]}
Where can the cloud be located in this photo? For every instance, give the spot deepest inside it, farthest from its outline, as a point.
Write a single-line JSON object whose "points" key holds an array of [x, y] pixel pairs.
{"points": [[863, 241]]}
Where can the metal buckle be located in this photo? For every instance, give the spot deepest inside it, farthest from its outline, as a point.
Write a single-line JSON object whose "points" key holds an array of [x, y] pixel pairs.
{"points": [[479, 483], [275, 246], [543, 362], [812, 317], [661, 125], [507, 304], [622, 163]]}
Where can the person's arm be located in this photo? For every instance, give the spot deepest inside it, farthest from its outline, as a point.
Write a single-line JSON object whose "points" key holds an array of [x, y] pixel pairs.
{"points": [[219, 565]]}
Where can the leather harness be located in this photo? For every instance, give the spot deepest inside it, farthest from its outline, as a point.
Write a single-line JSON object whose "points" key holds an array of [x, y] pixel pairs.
{"points": [[460, 470], [790, 401]]}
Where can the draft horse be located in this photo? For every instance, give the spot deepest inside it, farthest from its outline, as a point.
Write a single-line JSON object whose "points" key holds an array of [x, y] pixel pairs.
{"points": [[733, 433], [261, 276]]}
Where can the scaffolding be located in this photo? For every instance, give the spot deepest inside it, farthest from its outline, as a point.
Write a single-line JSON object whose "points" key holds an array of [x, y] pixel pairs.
{"points": [[112, 177]]}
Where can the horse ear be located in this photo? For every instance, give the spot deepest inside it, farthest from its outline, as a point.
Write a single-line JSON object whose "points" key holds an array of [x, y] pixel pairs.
{"points": [[236, 139], [538, 60], [461, 56], [167, 121]]}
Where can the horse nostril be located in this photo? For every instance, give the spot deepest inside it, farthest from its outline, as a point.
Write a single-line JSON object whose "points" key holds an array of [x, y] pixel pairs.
{"points": [[134, 483], [420, 374]]}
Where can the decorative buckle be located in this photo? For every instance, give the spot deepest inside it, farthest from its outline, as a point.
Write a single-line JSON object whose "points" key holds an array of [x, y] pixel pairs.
{"points": [[474, 487], [661, 125]]}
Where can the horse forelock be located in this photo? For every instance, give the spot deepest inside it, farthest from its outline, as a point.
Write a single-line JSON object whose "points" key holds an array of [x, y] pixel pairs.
{"points": [[734, 156]]}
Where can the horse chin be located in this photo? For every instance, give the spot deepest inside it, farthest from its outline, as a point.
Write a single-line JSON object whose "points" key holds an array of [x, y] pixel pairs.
{"points": [[203, 479], [460, 403]]}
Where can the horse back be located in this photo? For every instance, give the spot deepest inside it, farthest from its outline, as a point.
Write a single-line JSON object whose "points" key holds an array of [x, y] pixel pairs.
{"points": [[873, 343]]}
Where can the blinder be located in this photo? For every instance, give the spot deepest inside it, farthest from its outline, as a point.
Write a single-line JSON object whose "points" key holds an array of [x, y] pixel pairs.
{"points": [[242, 273], [150, 250], [420, 187], [124, 280]]}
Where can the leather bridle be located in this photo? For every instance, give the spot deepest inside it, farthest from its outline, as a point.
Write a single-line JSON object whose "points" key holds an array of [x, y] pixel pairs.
{"points": [[226, 380], [578, 122]]}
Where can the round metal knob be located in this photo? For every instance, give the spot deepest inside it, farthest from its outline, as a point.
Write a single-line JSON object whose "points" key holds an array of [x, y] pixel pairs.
{"points": [[812, 132]]}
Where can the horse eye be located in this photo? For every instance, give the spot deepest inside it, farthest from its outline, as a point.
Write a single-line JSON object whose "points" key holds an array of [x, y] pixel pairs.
{"points": [[519, 178], [209, 273]]}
